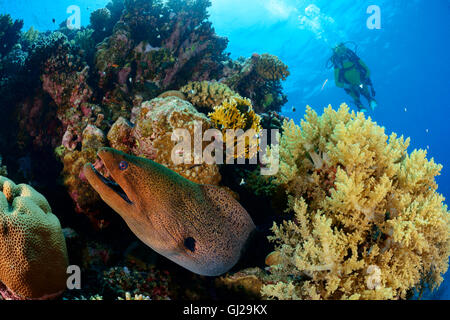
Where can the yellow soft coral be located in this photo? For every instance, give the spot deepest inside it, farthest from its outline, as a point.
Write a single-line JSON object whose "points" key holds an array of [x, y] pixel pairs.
{"points": [[33, 254], [238, 114], [207, 94], [368, 222]]}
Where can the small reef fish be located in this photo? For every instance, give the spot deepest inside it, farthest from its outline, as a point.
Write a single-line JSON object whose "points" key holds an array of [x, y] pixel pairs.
{"points": [[200, 227], [324, 84], [115, 66], [242, 182], [294, 110]]}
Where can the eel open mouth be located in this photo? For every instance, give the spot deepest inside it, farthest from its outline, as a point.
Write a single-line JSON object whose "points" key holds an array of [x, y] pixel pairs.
{"points": [[108, 180]]}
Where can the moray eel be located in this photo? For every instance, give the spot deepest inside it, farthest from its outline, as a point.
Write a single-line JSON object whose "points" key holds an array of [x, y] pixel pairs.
{"points": [[200, 227]]}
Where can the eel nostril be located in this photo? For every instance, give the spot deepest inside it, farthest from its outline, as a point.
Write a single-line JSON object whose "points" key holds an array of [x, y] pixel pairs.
{"points": [[189, 243]]}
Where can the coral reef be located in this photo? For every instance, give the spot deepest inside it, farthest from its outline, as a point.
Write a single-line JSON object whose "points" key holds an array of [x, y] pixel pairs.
{"points": [[238, 114], [97, 75], [367, 220], [33, 254], [207, 94], [184, 47], [65, 94], [151, 136]]}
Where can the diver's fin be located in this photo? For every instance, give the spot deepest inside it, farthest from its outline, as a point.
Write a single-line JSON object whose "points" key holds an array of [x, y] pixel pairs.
{"points": [[373, 105]]}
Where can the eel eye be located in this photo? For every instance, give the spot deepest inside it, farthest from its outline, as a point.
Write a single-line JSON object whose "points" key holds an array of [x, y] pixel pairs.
{"points": [[123, 165], [189, 243]]}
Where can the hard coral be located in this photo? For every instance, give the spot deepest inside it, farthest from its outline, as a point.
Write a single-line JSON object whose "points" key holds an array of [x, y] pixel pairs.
{"points": [[150, 136], [207, 94], [33, 254], [368, 222]]}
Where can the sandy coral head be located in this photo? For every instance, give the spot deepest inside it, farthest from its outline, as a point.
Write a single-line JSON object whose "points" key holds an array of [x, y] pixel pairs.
{"points": [[367, 220], [33, 254]]}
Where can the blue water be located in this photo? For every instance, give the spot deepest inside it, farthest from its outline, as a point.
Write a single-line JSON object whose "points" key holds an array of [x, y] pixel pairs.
{"points": [[408, 57]]}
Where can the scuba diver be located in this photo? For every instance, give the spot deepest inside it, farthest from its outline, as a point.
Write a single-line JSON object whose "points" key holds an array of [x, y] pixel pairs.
{"points": [[352, 74]]}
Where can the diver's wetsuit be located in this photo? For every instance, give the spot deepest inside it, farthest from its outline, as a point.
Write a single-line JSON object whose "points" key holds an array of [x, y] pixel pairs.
{"points": [[352, 74]]}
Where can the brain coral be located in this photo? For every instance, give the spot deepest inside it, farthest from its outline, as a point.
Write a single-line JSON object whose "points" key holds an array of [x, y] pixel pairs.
{"points": [[150, 136], [33, 254], [367, 220], [207, 94]]}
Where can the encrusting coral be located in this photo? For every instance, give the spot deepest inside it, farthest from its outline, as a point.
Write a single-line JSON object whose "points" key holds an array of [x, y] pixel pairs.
{"points": [[237, 114], [33, 254], [207, 94], [368, 222]]}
